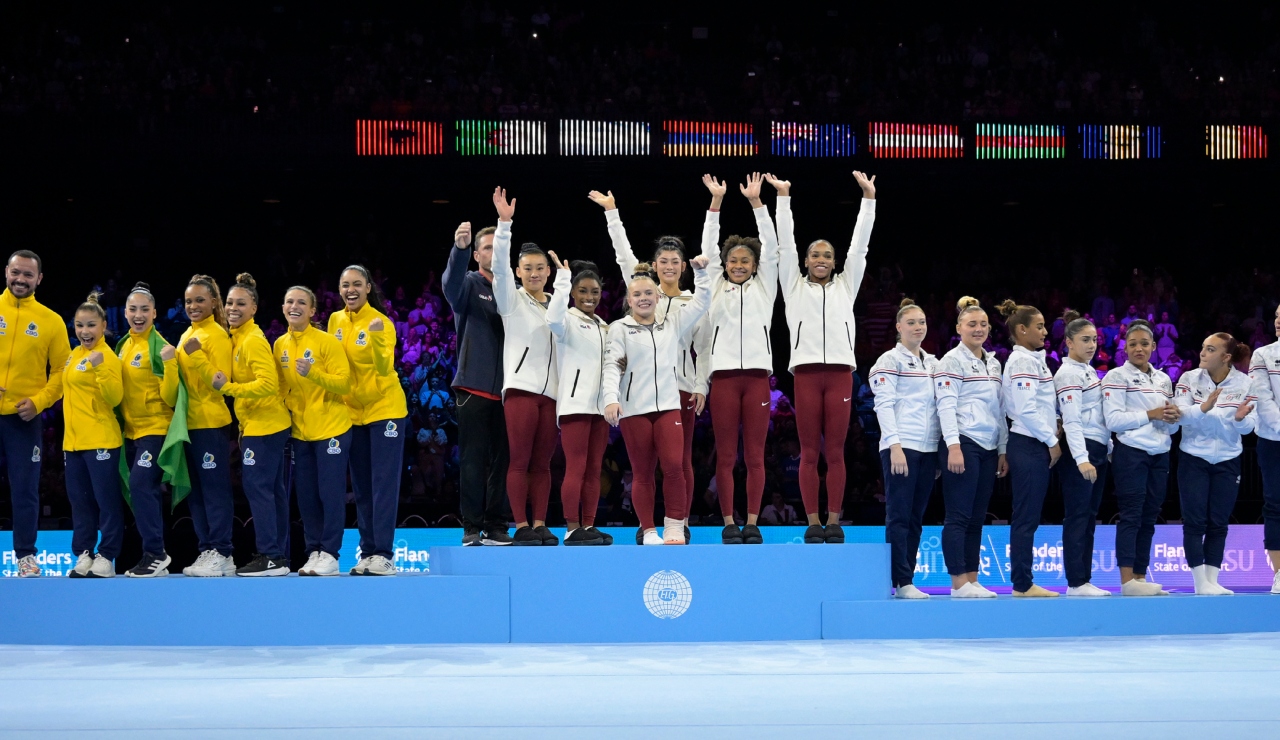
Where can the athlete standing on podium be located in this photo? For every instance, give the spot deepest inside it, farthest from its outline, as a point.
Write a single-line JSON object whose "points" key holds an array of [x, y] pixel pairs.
{"points": [[33, 350], [1264, 371]]}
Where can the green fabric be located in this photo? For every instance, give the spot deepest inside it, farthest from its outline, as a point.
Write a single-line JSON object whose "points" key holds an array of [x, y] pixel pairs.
{"points": [[172, 459]]}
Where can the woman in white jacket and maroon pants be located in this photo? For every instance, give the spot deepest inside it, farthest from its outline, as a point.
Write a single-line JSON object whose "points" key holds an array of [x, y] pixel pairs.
{"points": [[530, 377], [642, 396], [819, 308]]}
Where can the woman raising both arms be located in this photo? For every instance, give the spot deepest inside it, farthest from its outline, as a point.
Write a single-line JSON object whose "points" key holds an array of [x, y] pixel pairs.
{"points": [[819, 308]]}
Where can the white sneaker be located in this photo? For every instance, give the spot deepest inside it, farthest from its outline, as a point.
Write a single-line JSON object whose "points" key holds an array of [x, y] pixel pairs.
{"points": [[28, 567], [102, 568], [1087, 589], [214, 565], [990, 594], [379, 566], [651, 537], [673, 531], [320, 564], [361, 566], [1140, 588], [1275, 583], [971, 591], [202, 560], [1148, 581], [909, 591], [84, 563], [1216, 589]]}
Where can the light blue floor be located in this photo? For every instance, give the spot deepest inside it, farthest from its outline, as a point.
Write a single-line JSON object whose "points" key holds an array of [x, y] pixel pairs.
{"points": [[1168, 687]]}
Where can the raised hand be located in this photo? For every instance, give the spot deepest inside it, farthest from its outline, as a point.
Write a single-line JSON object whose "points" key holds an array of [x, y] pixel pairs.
{"points": [[605, 201], [868, 185], [376, 325], [95, 358], [1209, 402], [752, 189], [167, 353], [782, 186], [462, 237], [219, 380], [192, 345], [1243, 411], [556, 261], [700, 262], [506, 209]]}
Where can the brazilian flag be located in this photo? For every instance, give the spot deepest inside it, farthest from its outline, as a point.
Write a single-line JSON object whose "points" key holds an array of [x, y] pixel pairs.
{"points": [[173, 456]]}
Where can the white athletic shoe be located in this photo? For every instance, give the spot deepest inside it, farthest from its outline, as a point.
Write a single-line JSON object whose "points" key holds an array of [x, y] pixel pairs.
{"points": [[1275, 583], [306, 567], [322, 564], [651, 537], [28, 567], [971, 591], [990, 594], [909, 591], [380, 566], [359, 570], [102, 568], [1216, 589], [1147, 580], [202, 560], [1087, 589], [1140, 588], [84, 563], [211, 564]]}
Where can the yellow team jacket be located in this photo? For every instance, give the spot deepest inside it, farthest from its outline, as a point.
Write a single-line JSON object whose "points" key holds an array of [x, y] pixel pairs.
{"points": [[206, 408], [148, 400], [376, 393], [91, 396], [33, 351], [315, 402], [255, 384]]}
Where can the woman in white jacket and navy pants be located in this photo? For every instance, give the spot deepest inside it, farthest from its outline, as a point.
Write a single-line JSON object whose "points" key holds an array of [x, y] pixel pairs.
{"points": [[1030, 403], [582, 339], [967, 387], [530, 377], [819, 306], [1137, 402], [744, 286], [902, 381], [1217, 406], [642, 396], [1264, 370]]}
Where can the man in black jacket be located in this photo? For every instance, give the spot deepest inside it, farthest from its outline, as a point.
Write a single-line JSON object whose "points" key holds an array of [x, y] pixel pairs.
{"points": [[482, 426]]}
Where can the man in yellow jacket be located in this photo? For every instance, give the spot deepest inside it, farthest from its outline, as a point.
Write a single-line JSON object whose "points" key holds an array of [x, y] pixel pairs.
{"points": [[33, 342]]}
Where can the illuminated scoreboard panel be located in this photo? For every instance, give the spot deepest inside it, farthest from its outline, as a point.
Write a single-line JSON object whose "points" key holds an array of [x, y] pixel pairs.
{"points": [[1120, 142], [811, 140], [1019, 141], [603, 138], [501, 137], [404, 138], [1235, 142], [915, 141], [708, 139]]}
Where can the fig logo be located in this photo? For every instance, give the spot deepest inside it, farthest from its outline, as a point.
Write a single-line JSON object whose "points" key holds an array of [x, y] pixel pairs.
{"points": [[667, 594]]}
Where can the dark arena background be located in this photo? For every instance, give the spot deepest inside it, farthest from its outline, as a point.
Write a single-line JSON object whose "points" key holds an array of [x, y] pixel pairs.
{"points": [[1114, 160]]}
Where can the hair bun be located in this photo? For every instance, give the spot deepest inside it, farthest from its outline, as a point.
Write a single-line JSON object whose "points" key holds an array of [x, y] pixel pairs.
{"points": [[906, 302], [1007, 307], [93, 298], [1070, 315], [577, 266], [140, 286], [966, 302], [246, 280]]}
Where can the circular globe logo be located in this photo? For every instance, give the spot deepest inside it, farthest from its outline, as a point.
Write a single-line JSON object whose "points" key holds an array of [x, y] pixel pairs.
{"points": [[667, 594]]}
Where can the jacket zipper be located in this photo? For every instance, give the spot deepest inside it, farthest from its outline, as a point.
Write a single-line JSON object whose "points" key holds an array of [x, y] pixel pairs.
{"points": [[798, 328], [631, 377], [600, 386], [520, 364], [654, 339], [551, 356], [742, 303], [847, 335], [824, 324], [714, 337], [576, 373], [684, 362], [768, 346]]}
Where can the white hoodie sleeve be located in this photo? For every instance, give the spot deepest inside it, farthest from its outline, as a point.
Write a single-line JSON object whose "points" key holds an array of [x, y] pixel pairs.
{"points": [[768, 269], [788, 259], [505, 295], [946, 391], [1260, 387], [1189, 412], [855, 265], [1070, 394], [559, 304], [1022, 400], [1115, 404], [621, 245], [884, 385], [688, 318], [702, 350], [711, 243], [615, 358]]}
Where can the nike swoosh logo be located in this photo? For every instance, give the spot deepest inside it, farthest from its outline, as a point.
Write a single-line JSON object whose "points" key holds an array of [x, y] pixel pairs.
{"points": [[688, 408], [679, 424], [766, 403], [848, 399]]}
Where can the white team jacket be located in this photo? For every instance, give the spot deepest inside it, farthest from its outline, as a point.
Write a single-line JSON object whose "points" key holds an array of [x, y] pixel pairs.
{"points": [[700, 345], [820, 317], [741, 315], [1080, 401], [1264, 371], [641, 366], [968, 394], [905, 404], [1029, 396], [581, 342], [529, 350], [1127, 395], [1215, 436]]}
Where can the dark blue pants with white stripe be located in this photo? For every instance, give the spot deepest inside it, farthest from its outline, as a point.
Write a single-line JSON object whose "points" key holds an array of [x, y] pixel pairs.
{"points": [[1208, 494], [145, 494], [20, 442], [320, 480], [93, 488], [966, 496], [906, 497], [262, 473], [377, 457], [210, 502], [1080, 502], [1142, 482], [1029, 475], [1269, 462]]}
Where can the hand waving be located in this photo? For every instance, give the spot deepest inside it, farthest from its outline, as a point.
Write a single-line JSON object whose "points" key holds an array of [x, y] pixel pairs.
{"points": [[556, 261], [506, 209], [752, 189], [782, 186], [605, 201], [868, 185]]}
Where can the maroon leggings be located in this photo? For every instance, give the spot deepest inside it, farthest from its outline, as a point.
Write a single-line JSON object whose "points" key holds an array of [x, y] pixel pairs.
{"points": [[688, 420], [824, 399], [531, 436], [740, 397], [583, 437], [649, 436]]}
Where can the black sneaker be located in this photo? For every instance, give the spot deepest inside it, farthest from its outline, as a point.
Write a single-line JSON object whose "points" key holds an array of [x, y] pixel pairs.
{"points": [[583, 536], [833, 534], [731, 535], [751, 535], [815, 535], [608, 538], [688, 536], [640, 535], [548, 539], [264, 565], [526, 536], [150, 566], [495, 535], [471, 537]]}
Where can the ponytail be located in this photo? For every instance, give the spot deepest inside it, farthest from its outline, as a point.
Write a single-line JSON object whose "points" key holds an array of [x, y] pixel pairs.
{"points": [[376, 298], [1016, 315], [215, 295], [1240, 352], [1074, 323], [92, 305]]}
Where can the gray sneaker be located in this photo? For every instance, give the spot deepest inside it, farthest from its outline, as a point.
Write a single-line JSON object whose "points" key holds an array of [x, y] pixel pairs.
{"points": [[380, 566]]}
